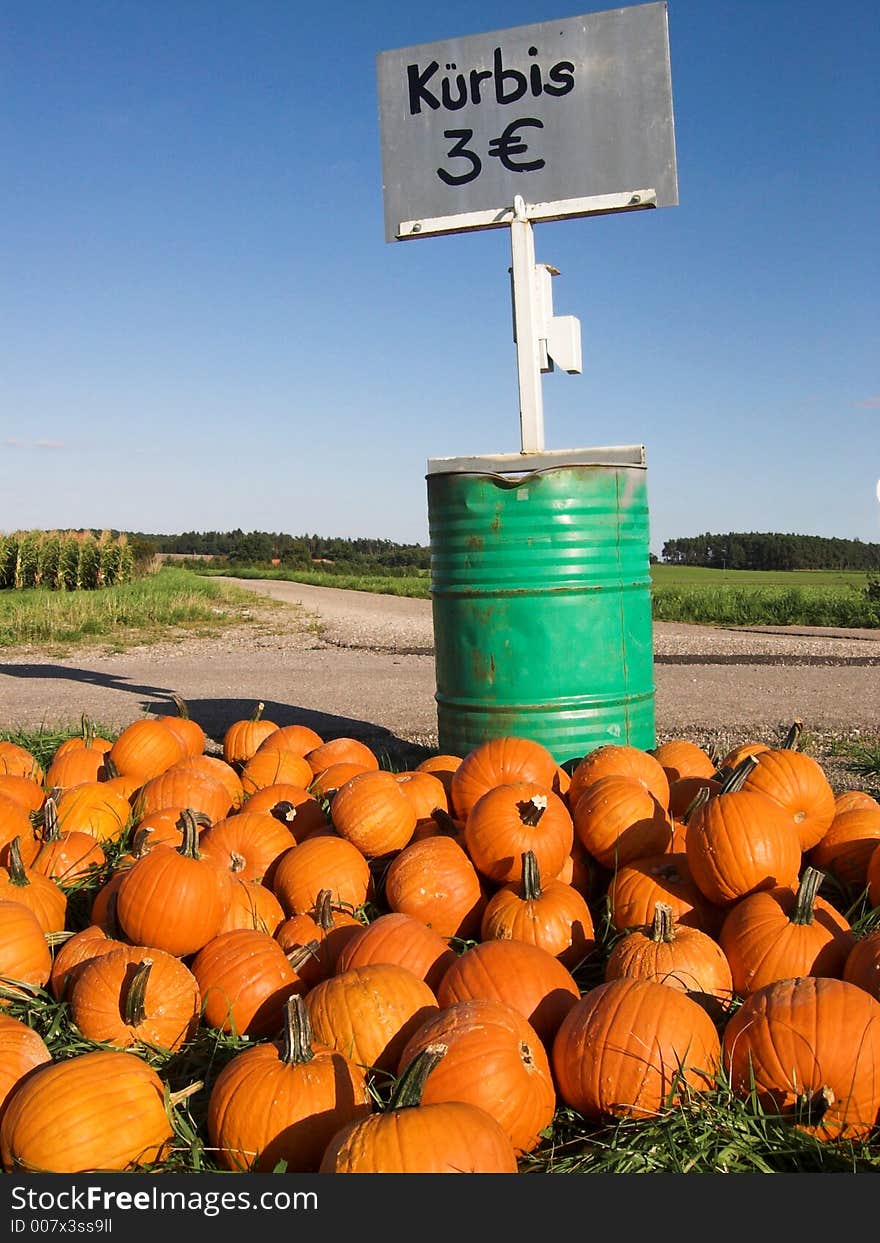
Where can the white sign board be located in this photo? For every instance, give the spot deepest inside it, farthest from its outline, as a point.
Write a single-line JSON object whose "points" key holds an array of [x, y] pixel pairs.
{"points": [[556, 112]]}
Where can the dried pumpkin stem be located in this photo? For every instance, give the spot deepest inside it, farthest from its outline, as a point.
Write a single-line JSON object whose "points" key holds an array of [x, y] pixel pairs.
{"points": [[296, 1036], [134, 994], [15, 867], [805, 903], [663, 927], [411, 1084], [530, 889]]}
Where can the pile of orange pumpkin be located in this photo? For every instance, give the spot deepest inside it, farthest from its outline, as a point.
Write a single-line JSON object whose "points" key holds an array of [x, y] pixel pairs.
{"points": [[426, 964]]}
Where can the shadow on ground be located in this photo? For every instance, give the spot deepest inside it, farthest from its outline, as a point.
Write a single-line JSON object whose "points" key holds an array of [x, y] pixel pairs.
{"points": [[216, 715]]}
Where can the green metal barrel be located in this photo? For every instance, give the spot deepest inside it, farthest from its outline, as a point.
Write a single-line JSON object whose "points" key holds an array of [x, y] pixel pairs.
{"points": [[541, 598]]}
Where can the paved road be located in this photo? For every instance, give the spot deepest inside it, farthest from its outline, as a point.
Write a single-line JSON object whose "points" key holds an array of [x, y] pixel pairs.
{"points": [[352, 663]]}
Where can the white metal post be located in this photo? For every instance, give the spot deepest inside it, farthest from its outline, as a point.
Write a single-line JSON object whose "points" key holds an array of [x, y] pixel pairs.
{"points": [[526, 316]]}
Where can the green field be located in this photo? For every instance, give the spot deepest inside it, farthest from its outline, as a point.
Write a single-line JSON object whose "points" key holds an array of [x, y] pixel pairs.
{"points": [[681, 593], [178, 599]]}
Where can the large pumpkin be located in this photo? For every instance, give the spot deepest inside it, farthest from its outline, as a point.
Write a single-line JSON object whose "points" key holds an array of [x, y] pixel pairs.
{"points": [[494, 1059], [633, 1048], [102, 1110], [283, 1100], [808, 1049], [496, 762], [370, 1012], [409, 1137]]}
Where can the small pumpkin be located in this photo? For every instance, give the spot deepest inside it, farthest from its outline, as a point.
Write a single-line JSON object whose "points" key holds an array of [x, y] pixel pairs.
{"points": [[511, 819], [551, 914], [779, 933], [497, 762]]}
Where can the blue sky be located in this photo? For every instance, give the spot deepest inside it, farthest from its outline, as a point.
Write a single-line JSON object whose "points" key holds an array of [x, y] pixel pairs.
{"points": [[202, 326]]}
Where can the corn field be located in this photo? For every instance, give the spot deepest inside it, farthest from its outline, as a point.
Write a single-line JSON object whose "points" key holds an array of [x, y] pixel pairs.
{"points": [[64, 560]]}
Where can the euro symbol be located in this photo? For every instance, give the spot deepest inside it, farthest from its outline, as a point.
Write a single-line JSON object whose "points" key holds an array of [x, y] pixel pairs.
{"points": [[510, 143]]}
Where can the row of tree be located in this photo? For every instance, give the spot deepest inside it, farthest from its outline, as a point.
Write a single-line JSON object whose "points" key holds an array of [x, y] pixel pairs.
{"points": [[294, 551], [757, 550], [736, 550]]}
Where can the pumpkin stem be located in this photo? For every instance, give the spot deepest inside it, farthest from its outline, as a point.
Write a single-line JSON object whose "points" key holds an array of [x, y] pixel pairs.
{"points": [[15, 867], [139, 841], [134, 994], [296, 1037], [51, 823], [411, 1084], [793, 737], [88, 731], [532, 809], [180, 705], [323, 915], [446, 824], [700, 799], [300, 954], [109, 767], [736, 779], [530, 889], [811, 1107], [805, 903], [663, 927], [189, 825], [258, 711], [237, 862]]}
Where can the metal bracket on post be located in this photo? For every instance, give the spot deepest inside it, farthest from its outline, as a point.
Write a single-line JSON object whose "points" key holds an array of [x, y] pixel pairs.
{"points": [[542, 338]]}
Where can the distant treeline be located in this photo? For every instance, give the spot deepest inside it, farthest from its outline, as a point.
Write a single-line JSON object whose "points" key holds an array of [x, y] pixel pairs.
{"points": [[737, 550], [295, 551], [756, 550]]}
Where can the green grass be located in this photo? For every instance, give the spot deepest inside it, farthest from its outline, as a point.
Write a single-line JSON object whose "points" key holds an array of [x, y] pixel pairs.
{"points": [[678, 593], [183, 600], [143, 611]]}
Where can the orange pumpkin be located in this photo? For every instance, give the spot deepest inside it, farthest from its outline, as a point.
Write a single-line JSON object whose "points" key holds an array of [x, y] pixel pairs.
{"points": [[284, 1100], [496, 762], [511, 819], [371, 811], [411, 1137], [370, 1012], [618, 819], [630, 1048], [778, 933], [495, 1060], [620, 760], [103, 1110], [551, 914], [676, 955]]}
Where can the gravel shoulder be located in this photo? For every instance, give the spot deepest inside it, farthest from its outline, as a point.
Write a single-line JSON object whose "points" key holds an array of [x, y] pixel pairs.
{"points": [[347, 662]]}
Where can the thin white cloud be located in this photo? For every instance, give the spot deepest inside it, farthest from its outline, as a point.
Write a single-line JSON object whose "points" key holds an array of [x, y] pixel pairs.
{"points": [[12, 442], [871, 403]]}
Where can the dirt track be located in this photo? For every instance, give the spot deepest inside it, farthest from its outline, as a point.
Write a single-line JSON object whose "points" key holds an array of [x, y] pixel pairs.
{"points": [[350, 663]]}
